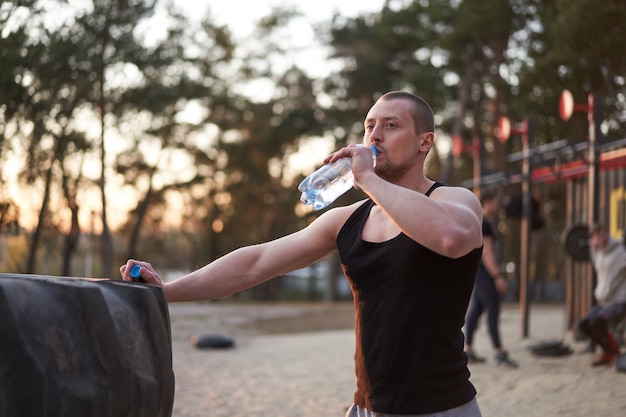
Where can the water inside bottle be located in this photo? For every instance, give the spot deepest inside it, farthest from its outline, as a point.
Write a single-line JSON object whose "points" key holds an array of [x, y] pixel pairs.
{"points": [[326, 184], [320, 194]]}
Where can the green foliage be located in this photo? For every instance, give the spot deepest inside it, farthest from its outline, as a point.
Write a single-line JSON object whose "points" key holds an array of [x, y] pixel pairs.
{"points": [[225, 169], [578, 45]]}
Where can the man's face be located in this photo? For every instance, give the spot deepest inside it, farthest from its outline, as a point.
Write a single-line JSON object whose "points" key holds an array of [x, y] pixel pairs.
{"points": [[390, 127], [492, 206], [600, 239]]}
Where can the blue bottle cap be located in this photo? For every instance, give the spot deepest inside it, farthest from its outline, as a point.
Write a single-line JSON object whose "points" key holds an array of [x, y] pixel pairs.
{"points": [[135, 272], [374, 149]]}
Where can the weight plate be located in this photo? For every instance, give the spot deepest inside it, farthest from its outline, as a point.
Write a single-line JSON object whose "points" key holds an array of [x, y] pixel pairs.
{"points": [[576, 242]]}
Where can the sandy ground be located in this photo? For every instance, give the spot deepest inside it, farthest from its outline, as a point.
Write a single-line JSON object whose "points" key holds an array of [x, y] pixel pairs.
{"points": [[296, 360]]}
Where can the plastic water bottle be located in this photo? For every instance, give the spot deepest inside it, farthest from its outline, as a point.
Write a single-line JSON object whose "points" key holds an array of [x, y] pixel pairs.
{"points": [[329, 182]]}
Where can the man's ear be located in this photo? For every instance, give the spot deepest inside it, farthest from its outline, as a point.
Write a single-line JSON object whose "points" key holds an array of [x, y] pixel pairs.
{"points": [[426, 141]]}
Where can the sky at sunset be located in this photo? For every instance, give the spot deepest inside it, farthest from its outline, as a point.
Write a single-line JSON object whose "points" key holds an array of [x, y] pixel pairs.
{"points": [[239, 16]]}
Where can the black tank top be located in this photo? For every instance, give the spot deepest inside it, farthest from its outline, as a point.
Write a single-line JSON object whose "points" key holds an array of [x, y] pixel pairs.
{"points": [[410, 305]]}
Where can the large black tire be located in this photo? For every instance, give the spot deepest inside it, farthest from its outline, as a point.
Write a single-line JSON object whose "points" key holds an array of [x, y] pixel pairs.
{"points": [[83, 348]]}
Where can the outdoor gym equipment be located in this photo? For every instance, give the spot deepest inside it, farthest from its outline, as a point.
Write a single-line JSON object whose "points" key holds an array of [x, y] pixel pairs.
{"points": [[576, 242], [83, 347]]}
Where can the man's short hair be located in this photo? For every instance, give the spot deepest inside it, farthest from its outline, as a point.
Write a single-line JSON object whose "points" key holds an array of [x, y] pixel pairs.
{"points": [[488, 195], [421, 112], [597, 228]]}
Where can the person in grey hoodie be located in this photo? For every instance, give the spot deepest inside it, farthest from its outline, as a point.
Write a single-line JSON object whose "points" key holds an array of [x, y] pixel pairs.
{"points": [[609, 261]]}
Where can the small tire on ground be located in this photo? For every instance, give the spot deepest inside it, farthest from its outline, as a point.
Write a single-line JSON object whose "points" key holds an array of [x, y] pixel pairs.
{"points": [[550, 348], [212, 341]]}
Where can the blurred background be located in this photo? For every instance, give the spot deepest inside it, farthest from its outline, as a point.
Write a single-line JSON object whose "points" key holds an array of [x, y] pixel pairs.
{"points": [[177, 131]]}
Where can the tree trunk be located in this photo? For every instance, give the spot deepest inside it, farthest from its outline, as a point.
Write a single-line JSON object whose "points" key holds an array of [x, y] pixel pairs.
{"points": [[106, 245], [43, 212], [71, 241], [140, 214], [464, 94]]}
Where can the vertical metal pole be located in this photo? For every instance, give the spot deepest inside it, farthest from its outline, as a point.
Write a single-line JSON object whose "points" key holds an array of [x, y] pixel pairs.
{"points": [[477, 151], [594, 114], [526, 227], [570, 208]]}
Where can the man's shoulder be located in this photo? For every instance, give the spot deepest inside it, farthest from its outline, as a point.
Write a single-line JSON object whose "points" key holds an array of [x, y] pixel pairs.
{"points": [[340, 214], [459, 195], [454, 190], [614, 253], [613, 246]]}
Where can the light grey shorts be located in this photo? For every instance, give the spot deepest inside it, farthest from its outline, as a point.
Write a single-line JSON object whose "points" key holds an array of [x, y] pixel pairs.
{"points": [[469, 409]]}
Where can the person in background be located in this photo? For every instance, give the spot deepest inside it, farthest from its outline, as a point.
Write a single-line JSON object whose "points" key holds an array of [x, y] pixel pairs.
{"points": [[490, 285], [609, 261], [410, 252]]}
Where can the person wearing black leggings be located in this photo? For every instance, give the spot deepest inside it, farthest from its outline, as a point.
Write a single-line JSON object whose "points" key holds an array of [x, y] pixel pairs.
{"points": [[488, 287]]}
